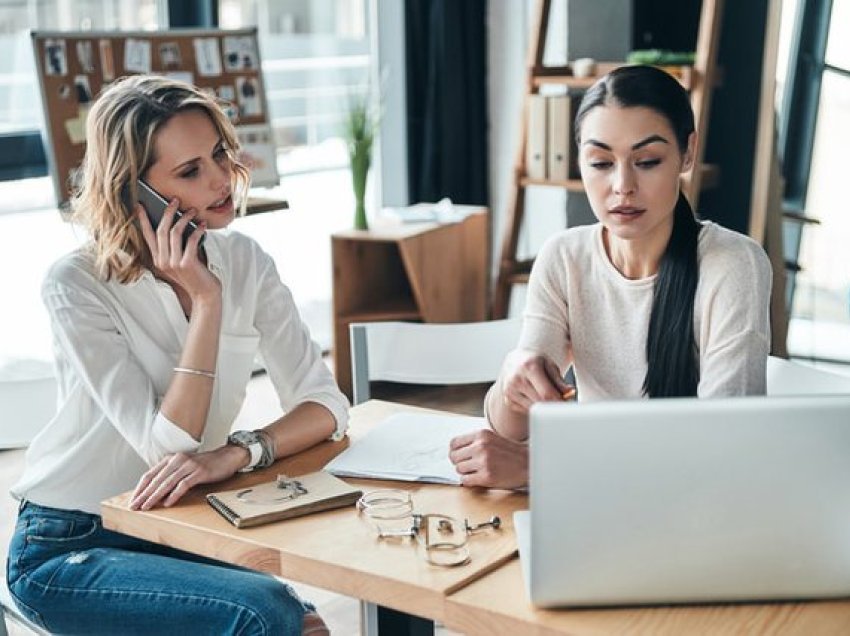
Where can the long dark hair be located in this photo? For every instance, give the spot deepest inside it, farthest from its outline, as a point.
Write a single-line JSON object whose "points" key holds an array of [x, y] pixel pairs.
{"points": [[671, 353]]}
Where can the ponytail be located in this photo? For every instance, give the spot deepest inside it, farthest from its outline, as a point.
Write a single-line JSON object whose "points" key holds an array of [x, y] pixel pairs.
{"points": [[671, 352]]}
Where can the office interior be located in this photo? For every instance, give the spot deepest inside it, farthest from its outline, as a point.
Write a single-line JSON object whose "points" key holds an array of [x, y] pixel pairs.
{"points": [[449, 79]]}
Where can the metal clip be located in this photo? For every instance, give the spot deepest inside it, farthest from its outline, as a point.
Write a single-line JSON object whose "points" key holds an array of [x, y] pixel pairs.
{"points": [[494, 523], [392, 534]]}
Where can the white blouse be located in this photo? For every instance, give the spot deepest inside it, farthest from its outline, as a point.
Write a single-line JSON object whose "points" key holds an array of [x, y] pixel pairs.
{"points": [[115, 346]]}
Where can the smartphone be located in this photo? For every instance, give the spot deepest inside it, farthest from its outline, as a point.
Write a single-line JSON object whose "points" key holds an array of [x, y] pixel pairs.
{"points": [[155, 205]]}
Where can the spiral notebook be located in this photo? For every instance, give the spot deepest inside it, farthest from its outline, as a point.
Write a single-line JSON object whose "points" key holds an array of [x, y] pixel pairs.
{"points": [[284, 498]]}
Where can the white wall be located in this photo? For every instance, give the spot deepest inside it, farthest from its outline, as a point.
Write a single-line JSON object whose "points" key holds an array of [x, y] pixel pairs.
{"points": [[506, 43], [389, 73]]}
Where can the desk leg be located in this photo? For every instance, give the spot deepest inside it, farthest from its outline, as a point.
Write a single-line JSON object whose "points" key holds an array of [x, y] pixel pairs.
{"points": [[383, 621]]}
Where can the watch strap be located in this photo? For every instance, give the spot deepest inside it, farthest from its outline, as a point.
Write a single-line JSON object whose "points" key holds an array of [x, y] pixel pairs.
{"points": [[250, 441], [269, 454]]}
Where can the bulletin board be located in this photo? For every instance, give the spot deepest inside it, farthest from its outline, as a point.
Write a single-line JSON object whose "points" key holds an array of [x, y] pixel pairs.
{"points": [[74, 66]]}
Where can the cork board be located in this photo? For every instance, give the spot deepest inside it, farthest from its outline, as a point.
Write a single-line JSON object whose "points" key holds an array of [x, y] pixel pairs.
{"points": [[74, 66]]}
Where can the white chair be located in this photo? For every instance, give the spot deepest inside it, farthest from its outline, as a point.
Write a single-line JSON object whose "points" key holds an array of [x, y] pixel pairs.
{"points": [[429, 353], [27, 400], [9, 611], [785, 377]]}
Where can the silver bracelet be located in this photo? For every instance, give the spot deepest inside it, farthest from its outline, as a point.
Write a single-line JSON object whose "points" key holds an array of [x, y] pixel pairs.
{"points": [[206, 374]]}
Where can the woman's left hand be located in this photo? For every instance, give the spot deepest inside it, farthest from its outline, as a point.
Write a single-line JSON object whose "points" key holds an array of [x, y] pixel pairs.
{"points": [[170, 479]]}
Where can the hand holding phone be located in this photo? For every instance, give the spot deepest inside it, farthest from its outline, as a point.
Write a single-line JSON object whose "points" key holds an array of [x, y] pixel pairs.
{"points": [[155, 205]]}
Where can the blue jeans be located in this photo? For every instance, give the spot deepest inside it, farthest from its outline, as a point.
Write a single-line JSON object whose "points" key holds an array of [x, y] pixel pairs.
{"points": [[71, 576]]}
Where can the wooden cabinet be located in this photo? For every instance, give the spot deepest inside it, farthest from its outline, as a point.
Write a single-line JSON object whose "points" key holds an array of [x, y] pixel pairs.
{"points": [[427, 272]]}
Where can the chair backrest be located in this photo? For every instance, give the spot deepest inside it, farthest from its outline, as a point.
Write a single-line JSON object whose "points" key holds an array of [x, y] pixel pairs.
{"points": [[785, 377], [8, 610], [27, 400], [429, 353]]}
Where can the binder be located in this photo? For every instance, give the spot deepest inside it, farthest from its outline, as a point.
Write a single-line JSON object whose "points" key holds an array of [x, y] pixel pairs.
{"points": [[535, 156], [560, 119], [284, 498]]}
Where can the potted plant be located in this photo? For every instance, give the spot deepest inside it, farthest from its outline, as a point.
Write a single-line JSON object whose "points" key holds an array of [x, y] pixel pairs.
{"points": [[361, 124]]}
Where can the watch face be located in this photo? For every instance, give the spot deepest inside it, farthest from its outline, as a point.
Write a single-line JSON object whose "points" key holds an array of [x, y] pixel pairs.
{"points": [[250, 441], [243, 438]]}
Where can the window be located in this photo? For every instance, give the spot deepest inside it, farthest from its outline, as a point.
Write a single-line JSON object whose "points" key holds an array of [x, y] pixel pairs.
{"points": [[315, 56], [21, 153], [818, 135]]}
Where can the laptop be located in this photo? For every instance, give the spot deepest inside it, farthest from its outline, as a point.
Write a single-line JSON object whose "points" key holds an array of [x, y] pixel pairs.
{"points": [[685, 500]]}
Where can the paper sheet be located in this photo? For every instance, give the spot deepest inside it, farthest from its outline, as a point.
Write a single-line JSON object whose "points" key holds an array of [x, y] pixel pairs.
{"points": [[406, 447], [137, 56], [207, 56], [76, 129]]}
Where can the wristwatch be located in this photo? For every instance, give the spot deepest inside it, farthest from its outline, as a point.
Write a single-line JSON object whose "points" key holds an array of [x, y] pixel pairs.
{"points": [[253, 443]]}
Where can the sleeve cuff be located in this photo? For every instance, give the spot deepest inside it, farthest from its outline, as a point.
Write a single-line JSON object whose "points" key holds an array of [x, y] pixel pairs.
{"points": [[341, 424], [339, 411], [486, 409], [170, 438]]}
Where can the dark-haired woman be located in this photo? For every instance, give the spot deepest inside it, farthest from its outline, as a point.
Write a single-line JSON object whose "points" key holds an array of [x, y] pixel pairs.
{"points": [[649, 302]]}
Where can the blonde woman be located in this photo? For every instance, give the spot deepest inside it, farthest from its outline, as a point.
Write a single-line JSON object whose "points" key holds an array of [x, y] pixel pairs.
{"points": [[155, 339]]}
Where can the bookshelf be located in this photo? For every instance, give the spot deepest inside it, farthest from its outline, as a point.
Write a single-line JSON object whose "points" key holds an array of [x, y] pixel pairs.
{"points": [[698, 79], [424, 272]]}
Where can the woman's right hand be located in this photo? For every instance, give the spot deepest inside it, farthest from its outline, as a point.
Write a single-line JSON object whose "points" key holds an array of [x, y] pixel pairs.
{"points": [[166, 482], [528, 377], [171, 260]]}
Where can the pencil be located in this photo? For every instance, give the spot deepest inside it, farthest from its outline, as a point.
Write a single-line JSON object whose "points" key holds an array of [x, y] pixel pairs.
{"points": [[569, 394]]}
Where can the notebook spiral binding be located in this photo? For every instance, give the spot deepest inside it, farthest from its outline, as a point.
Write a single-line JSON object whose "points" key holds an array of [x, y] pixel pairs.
{"points": [[223, 508]]}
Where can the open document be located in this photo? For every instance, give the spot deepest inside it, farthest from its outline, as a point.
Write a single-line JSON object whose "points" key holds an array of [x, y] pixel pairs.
{"points": [[406, 447]]}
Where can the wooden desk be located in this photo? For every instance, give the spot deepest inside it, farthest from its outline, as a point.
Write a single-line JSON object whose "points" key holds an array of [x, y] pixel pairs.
{"points": [[336, 550], [258, 205], [498, 604]]}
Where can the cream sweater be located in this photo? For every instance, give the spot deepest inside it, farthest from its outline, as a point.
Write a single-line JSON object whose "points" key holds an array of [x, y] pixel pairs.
{"points": [[580, 310]]}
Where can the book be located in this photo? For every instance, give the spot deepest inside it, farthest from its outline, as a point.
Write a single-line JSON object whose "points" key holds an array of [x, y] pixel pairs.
{"points": [[284, 498], [406, 447]]}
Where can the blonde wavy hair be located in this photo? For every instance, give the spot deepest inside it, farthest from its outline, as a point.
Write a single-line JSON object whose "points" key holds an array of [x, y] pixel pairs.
{"points": [[120, 132]]}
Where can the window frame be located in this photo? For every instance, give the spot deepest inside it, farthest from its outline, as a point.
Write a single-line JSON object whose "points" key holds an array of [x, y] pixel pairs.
{"points": [[801, 103], [798, 126]]}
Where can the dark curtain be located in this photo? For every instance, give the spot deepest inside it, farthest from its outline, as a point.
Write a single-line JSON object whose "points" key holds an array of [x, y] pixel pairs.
{"points": [[193, 13], [446, 100]]}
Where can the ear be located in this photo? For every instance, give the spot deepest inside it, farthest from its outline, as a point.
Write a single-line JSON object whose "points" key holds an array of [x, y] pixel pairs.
{"points": [[690, 153]]}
